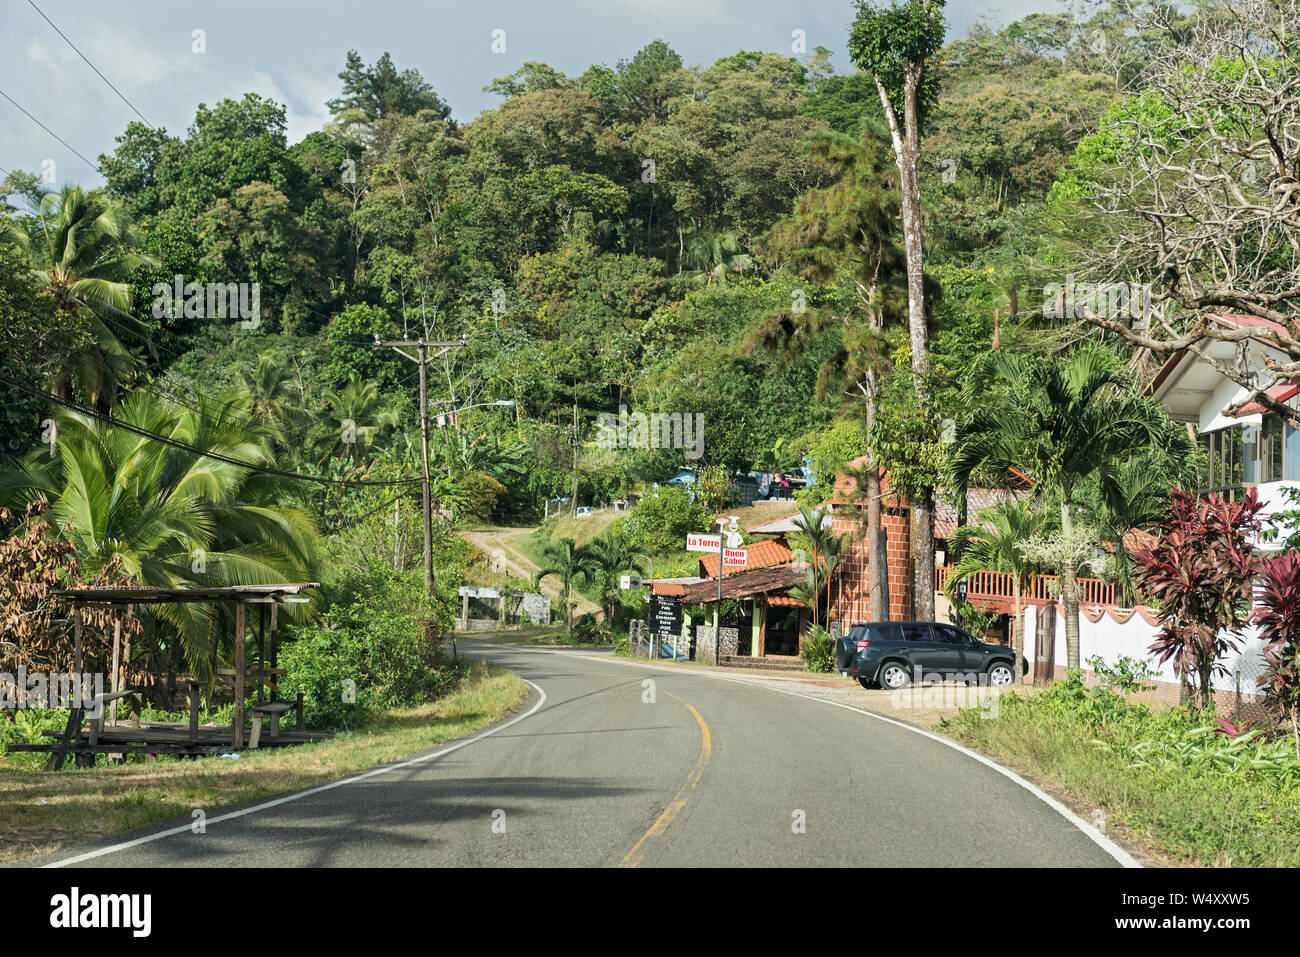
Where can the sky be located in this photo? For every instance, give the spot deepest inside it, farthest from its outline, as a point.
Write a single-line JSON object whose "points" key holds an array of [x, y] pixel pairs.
{"points": [[293, 50]]}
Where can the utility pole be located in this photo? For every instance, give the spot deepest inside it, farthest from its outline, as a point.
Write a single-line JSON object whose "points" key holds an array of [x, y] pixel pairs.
{"points": [[573, 502], [422, 360]]}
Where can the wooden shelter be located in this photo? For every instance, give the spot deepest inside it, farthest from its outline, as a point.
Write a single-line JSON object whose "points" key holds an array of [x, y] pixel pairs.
{"points": [[171, 738]]}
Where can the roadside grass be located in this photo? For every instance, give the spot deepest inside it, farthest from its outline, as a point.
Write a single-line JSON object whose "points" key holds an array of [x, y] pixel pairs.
{"points": [[1158, 778], [43, 811]]}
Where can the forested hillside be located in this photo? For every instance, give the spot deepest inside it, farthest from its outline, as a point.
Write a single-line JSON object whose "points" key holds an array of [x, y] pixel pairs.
{"points": [[598, 240]]}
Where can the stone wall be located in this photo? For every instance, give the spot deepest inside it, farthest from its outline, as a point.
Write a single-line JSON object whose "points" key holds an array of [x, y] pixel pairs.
{"points": [[513, 609], [704, 642]]}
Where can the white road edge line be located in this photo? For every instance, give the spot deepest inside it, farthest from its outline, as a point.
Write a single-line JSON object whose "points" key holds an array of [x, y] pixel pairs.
{"points": [[1101, 840], [186, 828]]}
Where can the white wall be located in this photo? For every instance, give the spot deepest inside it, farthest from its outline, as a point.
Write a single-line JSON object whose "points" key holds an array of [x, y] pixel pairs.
{"points": [[1112, 641]]}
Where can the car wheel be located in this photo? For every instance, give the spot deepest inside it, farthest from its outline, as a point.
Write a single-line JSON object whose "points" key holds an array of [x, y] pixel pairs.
{"points": [[1000, 674], [893, 675], [866, 682]]}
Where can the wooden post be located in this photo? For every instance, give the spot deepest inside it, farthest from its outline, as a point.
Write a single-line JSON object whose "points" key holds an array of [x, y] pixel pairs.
{"points": [[116, 685], [241, 615], [76, 627], [261, 653], [275, 645], [126, 653], [194, 711]]}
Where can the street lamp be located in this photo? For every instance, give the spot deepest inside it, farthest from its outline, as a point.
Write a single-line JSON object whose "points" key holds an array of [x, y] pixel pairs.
{"points": [[442, 416]]}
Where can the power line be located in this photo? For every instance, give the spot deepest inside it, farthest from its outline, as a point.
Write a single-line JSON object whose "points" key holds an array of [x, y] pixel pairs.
{"points": [[89, 64], [93, 166], [186, 447]]}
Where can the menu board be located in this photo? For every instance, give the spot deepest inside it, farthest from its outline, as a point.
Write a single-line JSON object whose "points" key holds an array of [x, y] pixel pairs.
{"points": [[665, 615]]}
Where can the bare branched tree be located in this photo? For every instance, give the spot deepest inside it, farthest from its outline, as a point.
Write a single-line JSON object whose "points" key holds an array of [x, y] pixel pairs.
{"points": [[1198, 179]]}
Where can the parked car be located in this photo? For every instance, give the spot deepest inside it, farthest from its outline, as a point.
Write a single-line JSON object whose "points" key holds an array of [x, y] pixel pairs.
{"points": [[891, 654], [583, 511]]}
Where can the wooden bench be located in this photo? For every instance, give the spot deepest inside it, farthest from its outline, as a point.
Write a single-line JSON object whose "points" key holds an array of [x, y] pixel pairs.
{"points": [[72, 731], [273, 710]]}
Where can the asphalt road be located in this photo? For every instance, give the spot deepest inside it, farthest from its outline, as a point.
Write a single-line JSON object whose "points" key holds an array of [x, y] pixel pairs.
{"points": [[595, 770]]}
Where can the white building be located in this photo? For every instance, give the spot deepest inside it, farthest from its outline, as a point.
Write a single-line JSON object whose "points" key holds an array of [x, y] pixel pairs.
{"points": [[1251, 447]]}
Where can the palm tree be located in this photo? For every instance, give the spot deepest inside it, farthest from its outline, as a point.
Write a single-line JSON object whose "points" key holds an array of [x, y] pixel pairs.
{"points": [[1138, 495], [172, 518], [563, 560], [357, 415], [1061, 422], [270, 386], [998, 549], [817, 538], [83, 251], [711, 254], [607, 555]]}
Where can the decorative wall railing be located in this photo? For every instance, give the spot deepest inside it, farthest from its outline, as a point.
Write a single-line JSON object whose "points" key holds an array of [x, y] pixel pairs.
{"points": [[1001, 588]]}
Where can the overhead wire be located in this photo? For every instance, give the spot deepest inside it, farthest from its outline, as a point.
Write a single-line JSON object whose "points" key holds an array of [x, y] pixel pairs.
{"points": [[91, 65], [193, 449]]}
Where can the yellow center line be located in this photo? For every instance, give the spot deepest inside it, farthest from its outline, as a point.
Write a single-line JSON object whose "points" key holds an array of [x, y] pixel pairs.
{"points": [[634, 856]]}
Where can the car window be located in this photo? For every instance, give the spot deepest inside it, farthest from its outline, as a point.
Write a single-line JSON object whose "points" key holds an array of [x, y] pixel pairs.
{"points": [[916, 632], [888, 632], [950, 635]]}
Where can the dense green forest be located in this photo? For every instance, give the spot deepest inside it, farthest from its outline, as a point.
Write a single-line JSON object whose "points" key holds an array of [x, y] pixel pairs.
{"points": [[727, 241], [597, 239]]}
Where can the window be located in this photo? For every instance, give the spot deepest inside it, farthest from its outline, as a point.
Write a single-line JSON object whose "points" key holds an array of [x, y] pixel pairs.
{"points": [[950, 635], [1250, 455], [1292, 454], [1224, 467], [917, 633], [1271, 450]]}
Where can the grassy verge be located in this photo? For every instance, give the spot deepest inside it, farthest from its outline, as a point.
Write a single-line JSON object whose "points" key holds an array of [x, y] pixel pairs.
{"points": [[1164, 779], [44, 811]]}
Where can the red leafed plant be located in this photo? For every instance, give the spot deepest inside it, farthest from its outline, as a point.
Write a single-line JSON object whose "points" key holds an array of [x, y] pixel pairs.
{"points": [[1198, 572], [1279, 626]]}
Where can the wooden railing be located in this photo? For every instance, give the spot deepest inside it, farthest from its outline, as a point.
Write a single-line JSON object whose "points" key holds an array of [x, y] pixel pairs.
{"points": [[999, 586]]}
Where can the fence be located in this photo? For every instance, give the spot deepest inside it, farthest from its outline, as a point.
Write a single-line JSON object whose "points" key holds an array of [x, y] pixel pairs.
{"points": [[1000, 587], [643, 643]]}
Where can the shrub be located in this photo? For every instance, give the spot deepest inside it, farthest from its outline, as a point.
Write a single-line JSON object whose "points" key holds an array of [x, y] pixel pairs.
{"points": [[817, 650], [588, 630], [661, 520], [374, 646]]}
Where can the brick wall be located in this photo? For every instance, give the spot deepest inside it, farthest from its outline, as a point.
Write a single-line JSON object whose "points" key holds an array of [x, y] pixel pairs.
{"points": [[852, 605]]}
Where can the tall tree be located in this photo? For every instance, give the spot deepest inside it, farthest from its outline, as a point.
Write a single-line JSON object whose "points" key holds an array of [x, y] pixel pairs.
{"points": [[895, 46], [846, 228], [380, 90]]}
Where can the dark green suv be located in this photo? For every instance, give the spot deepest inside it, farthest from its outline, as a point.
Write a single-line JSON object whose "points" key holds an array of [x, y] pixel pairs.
{"points": [[892, 654]]}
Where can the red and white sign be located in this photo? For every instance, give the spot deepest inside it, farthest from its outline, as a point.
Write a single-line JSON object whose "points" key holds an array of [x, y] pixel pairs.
{"points": [[629, 582], [734, 557], [701, 542]]}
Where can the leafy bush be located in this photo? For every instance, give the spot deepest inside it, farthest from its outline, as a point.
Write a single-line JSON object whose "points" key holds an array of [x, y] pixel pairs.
{"points": [[817, 650], [589, 631], [371, 652], [662, 518]]}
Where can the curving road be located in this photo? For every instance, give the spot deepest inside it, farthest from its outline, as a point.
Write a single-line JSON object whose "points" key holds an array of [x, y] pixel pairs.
{"points": [[715, 770]]}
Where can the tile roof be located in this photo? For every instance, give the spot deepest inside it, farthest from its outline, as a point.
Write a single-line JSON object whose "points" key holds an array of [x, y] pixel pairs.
{"points": [[745, 583], [1279, 393], [757, 555]]}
